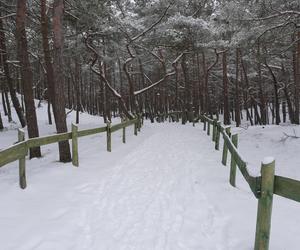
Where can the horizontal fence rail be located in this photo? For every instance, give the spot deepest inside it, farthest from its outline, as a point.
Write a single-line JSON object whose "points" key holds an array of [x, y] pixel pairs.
{"points": [[19, 150], [287, 188], [45, 140], [12, 153]]}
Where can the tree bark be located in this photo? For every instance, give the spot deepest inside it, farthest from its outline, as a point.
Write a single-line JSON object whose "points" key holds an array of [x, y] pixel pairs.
{"points": [[237, 92], [296, 68], [225, 90], [250, 116], [26, 75], [1, 123], [188, 89], [263, 109], [12, 90], [276, 97], [58, 90]]}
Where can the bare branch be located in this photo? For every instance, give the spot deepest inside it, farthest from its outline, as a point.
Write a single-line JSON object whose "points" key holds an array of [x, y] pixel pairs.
{"points": [[154, 84], [102, 76], [274, 27], [167, 75], [152, 26], [9, 15], [282, 13]]}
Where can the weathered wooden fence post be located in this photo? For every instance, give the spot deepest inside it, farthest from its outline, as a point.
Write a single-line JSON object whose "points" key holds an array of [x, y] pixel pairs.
{"points": [[217, 145], [264, 210], [108, 136], [225, 148], [22, 161], [204, 124], [232, 177], [75, 161]]}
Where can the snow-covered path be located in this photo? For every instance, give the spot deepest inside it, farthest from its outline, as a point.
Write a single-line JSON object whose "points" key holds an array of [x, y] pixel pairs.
{"points": [[153, 200], [164, 190]]}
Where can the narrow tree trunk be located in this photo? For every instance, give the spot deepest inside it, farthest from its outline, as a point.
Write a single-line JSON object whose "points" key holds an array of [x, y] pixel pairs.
{"points": [[200, 87], [284, 111], [296, 67], [276, 98], [263, 109], [59, 97], [225, 90], [47, 57], [237, 92], [26, 75], [188, 89], [289, 104], [1, 123], [247, 94], [206, 102], [77, 86], [10, 84], [4, 103]]}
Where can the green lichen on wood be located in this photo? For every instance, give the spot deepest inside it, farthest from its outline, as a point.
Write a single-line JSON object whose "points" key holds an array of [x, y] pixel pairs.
{"points": [[287, 188], [232, 177], [225, 148], [264, 210], [218, 132], [75, 161], [108, 136], [22, 161]]}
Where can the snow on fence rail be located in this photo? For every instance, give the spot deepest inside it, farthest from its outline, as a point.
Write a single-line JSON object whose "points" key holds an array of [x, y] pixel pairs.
{"points": [[19, 150], [263, 187]]}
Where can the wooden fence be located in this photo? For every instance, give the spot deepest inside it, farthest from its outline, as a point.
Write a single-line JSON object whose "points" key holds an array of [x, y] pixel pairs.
{"points": [[263, 187], [19, 150]]}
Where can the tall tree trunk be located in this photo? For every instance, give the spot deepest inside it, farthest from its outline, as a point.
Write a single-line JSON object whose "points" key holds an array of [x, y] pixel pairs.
{"points": [[289, 104], [250, 116], [8, 107], [47, 57], [12, 90], [296, 69], [284, 111], [188, 89], [59, 97], [26, 75], [276, 97], [206, 102], [263, 108], [225, 89], [1, 123], [4, 103], [77, 86], [200, 88], [132, 104], [237, 92]]}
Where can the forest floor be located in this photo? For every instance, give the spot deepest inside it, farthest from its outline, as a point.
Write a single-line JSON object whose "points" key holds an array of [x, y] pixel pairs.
{"points": [[165, 189]]}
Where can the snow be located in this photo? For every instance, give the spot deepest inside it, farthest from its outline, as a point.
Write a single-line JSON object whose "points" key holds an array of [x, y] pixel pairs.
{"points": [[257, 142], [268, 160], [164, 189]]}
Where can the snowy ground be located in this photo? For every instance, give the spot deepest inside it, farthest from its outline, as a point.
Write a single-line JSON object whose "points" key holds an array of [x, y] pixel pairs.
{"points": [[164, 189]]}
